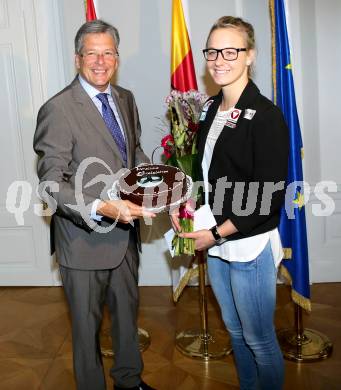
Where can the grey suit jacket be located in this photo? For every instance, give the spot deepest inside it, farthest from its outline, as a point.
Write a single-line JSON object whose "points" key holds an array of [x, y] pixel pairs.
{"points": [[70, 130]]}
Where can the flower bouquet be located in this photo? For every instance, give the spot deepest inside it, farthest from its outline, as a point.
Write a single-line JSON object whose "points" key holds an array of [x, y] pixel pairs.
{"points": [[180, 150]]}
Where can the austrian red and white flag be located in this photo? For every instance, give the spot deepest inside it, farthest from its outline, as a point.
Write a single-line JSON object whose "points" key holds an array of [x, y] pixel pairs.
{"points": [[183, 79]]}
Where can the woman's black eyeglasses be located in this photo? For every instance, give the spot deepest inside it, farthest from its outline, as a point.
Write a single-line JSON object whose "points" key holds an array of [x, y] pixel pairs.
{"points": [[228, 53]]}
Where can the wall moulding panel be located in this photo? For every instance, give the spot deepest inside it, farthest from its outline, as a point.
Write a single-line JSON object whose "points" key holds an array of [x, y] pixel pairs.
{"points": [[25, 25], [324, 237], [4, 19]]}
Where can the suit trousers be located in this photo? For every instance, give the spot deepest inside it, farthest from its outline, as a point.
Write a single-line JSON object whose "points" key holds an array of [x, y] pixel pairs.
{"points": [[87, 291]]}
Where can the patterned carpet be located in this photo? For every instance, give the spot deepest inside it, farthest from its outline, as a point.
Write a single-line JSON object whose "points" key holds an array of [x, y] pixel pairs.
{"points": [[36, 353]]}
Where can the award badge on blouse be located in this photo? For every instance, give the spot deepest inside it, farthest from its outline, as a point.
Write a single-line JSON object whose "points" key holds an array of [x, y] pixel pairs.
{"points": [[249, 114], [233, 117]]}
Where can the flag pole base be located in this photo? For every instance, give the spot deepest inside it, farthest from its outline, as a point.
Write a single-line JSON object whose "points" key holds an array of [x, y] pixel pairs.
{"points": [[194, 343], [106, 342], [309, 347]]}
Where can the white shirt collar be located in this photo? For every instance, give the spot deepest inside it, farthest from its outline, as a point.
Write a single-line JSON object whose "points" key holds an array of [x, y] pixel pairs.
{"points": [[90, 90]]}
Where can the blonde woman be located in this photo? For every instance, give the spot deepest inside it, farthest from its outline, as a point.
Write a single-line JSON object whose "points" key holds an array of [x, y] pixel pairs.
{"points": [[243, 154]]}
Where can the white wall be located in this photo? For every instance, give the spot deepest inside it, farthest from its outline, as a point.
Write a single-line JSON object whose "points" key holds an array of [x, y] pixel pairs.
{"points": [[316, 30], [316, 48]]}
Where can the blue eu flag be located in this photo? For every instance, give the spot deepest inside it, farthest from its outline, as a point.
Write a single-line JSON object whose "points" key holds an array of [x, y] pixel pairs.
{"points": [[295, 266]]}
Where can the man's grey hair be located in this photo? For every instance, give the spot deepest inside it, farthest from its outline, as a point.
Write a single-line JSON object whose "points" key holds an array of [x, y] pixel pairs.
{"points": [[95, 27]]}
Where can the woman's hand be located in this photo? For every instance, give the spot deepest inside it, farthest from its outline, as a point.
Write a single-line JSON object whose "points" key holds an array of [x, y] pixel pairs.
{"points": [[203, 239]]}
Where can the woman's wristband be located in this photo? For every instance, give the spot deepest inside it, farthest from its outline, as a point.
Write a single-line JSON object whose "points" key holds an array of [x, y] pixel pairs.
{"points": [[216, 236]]}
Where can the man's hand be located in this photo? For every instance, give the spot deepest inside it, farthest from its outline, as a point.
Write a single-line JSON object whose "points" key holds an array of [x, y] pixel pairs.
{"points": [[122, 210]]}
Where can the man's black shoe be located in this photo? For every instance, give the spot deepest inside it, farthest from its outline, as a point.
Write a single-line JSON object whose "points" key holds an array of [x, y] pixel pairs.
{"points": [[141, 386]]}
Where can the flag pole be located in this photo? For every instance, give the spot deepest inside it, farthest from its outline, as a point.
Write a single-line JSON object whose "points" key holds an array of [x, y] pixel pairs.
{"points": [[202, 343], [301, 344]]}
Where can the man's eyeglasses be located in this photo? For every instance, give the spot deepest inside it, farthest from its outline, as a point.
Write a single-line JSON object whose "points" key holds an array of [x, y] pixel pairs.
{"points": [[107, 55], [228, 53]]}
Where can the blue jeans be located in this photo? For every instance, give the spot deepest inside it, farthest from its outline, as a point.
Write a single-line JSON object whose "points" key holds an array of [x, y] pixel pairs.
{"points": [[246, 293]]}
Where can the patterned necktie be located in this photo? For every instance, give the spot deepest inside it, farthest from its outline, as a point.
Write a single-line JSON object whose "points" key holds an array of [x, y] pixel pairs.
{"points": [[112, 124]]}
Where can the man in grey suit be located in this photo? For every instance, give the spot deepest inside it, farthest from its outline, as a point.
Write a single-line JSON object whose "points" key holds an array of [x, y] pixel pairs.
{"points": [[94, 123]]}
